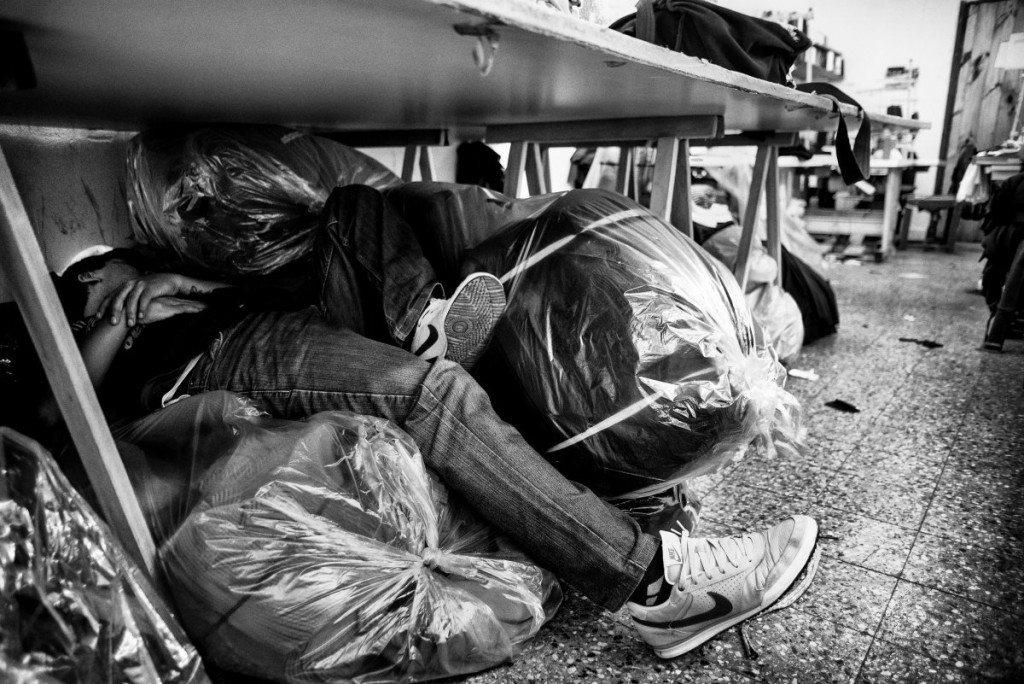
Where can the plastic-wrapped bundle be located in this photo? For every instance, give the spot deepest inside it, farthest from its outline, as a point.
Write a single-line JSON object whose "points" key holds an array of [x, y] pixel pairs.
{"points": [[777, 311], [323, 551], [73, 606], [772, 307], [238, 200], [627, 353]]}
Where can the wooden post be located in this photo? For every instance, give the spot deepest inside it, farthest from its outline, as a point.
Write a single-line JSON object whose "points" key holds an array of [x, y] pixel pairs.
{"points": [[666, 166], [516, 166], [680, 211], [409, 162], [771, 198], [27, 277], [890, 210], [536, 177], [426, 164], [624, 171], [417, 156], [742, 268]]}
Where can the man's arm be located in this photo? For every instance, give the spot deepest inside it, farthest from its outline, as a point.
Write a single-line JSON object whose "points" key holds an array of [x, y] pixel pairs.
{"points": [[103, 339], [131, 301]]}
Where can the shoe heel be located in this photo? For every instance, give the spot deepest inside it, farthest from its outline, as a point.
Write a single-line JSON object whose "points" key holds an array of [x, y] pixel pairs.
{"points": [[473, 312]]}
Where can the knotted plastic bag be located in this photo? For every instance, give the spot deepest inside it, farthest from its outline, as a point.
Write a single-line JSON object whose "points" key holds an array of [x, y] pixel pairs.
{"points": [[627, 354], [238, 200], [324, 551], [73, 606]]}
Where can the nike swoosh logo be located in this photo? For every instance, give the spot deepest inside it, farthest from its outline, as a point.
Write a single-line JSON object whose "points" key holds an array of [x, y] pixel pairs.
{"points": [[432, 337], [722, 607]]}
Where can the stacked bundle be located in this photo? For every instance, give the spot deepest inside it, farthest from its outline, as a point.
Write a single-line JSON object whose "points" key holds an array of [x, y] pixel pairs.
{"points": [[324, 551], [633, 356]]}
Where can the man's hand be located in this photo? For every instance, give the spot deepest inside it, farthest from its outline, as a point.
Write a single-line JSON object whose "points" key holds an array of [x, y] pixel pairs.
{"points": [[133, 299], [162, 308]]}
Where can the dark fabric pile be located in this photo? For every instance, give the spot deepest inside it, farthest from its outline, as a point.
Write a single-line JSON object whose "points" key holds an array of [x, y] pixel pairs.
{"points": [[626, 353], [757, 47], [814, 296]]}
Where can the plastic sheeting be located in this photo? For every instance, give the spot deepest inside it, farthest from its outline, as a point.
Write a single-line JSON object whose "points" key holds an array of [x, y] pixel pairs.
{"points": [[627, 353], [73, 606], [778, 312], [238, 200], [324, 551], [771, 306]]}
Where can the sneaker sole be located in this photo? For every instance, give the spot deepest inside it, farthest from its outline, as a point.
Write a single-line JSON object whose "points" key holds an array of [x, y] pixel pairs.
{"points": [[774, 593], [472, 316]]}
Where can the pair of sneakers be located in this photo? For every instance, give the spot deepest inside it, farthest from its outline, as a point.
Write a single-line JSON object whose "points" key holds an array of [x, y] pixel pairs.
{"points": [[460, 327], [719, 582]]}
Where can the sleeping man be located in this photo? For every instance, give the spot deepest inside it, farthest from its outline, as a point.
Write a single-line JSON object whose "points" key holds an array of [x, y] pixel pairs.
{"points": [[155, 336]]}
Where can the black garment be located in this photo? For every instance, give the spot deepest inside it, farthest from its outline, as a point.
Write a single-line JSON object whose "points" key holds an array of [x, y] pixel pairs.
{"points": [[477, 164], [758, 47], [814, 296], [1003, 230], [154, 355]]}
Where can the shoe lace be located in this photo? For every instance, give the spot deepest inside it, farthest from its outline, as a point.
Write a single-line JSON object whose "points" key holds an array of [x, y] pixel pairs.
{"points": [[710, 557]]}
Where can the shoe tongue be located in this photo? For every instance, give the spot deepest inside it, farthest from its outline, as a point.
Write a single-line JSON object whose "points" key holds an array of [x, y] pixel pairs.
{"points": [[671, 556]]}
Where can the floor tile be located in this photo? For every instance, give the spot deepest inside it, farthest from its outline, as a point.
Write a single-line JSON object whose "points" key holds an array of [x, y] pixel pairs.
{"points": [[848, 595], [783, 473], [984, 641], [885, 487], [826, 452], [901, 433], [793, 645], [969, 502], [890, 663], [865, 542], [751, 508], [984, 567]]}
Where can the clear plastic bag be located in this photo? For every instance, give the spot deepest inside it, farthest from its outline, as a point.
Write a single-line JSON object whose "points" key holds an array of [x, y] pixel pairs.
{"points": [[772, 308], [626, 353], [323, 551], [238, 200], [73, 606], [777, 311]]}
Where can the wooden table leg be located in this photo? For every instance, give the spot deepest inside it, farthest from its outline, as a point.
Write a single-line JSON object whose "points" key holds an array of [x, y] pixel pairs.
{"points": [[742, 268], [890, 211], [773, 225], [27, 277], [516, 167]]}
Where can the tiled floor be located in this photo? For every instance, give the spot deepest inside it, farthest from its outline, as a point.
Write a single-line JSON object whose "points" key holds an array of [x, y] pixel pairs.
{"points": [[918, 497]]}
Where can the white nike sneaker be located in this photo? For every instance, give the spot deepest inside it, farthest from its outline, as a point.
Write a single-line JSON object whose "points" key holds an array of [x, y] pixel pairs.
{"points": [[721, 582], [460, 327]]}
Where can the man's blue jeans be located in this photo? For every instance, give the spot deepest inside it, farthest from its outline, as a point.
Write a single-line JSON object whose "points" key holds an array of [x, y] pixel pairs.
{"points": [[294, 364]]}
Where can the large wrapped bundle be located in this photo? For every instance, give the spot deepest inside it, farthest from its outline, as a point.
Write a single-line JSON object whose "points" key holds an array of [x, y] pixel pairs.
{"points": [[238, 200], [626, 353], [323, 551], [73, 606]]}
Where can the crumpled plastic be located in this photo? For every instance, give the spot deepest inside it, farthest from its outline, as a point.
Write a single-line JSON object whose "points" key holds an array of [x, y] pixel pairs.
{"points": [[626, 353], [73, 606], [323, 550], [776, 310], [772, 307], [238, 200]]}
